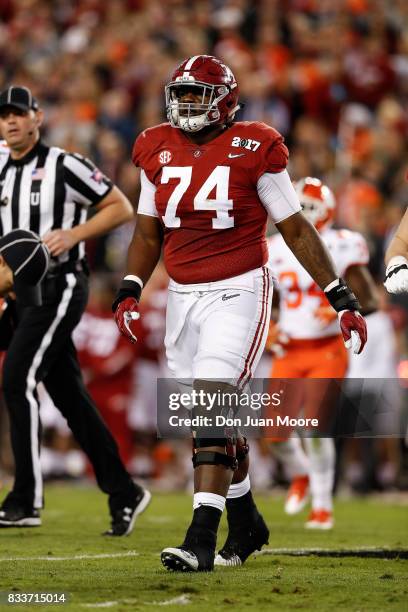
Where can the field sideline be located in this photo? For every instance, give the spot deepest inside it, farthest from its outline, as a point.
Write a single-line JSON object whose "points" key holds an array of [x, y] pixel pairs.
{"points": [[68, 554]]}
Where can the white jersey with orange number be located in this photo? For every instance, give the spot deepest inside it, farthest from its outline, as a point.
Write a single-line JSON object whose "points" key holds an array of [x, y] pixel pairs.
{"points": [[305, 312]]}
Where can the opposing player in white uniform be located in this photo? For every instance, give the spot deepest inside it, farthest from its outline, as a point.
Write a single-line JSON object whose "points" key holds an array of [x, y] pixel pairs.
{"points": [[313, 345]]}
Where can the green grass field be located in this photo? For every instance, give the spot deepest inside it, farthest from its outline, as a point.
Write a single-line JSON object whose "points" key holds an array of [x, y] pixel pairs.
{"points": [[133, 578]]}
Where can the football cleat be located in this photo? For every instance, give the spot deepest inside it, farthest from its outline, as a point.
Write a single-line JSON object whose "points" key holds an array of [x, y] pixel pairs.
{"points": [[17, 516], [320, 519], [241, 543], [196, 554], [298, 495], [180, 560], [123, 520]]}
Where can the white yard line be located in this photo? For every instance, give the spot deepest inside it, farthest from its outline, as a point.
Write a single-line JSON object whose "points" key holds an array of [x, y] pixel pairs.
{"points": [[306, 551], [160, 520], [73, 557], [174, 601], [181, 600], [103, 604]]}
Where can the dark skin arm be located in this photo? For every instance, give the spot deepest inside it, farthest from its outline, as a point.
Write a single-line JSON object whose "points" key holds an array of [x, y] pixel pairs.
{"points": [[305, 243], [145, 247], [363, 286]]}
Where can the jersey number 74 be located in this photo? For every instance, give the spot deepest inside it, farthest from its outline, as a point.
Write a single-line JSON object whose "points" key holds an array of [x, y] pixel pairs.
{"points": [[221, 204]]}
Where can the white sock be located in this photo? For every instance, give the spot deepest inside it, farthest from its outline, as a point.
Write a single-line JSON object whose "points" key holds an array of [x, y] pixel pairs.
{"points": [[208, 499], [292, 456], [322, 457], [239, 489]]}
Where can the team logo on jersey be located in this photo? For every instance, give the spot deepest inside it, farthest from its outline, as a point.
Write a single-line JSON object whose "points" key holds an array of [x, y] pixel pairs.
{"points": [[197, 153], [165, 157]]}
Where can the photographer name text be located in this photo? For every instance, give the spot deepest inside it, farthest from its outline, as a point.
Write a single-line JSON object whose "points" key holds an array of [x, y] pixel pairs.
{"points": [[248, 421]]}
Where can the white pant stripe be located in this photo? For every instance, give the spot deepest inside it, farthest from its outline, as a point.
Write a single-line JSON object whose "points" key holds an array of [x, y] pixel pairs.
{"points": [[257, 345], [32, 383]]}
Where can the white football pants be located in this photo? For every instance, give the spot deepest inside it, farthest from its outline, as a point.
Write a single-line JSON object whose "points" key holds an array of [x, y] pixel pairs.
{"points": [[218, 334]]}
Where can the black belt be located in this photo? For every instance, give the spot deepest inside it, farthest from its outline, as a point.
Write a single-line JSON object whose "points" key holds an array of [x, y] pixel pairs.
{"points": [[57, 269]]}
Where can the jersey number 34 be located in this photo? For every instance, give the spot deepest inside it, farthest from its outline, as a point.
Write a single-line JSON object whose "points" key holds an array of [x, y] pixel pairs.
{"points": [[217, 180]]}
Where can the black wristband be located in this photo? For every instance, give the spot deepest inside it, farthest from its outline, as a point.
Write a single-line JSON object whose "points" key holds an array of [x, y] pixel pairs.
{"points": [[127, 288], [342, 298]]}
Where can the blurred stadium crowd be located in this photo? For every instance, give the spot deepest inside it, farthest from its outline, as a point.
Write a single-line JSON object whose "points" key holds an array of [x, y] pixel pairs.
{"points": [[330, 75]]}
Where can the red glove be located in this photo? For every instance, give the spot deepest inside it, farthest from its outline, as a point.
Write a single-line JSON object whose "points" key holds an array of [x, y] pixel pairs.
{"points": [[126, 312], [354, 330]]}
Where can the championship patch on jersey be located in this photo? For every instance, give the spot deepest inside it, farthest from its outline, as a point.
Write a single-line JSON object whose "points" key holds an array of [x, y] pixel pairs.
{"points": [[246, 143], [165, 157]]}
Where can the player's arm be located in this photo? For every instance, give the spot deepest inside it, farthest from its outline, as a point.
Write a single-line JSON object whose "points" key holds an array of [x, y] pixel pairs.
{"points": [[85, 184], [305, 243], [396, 259], [279, 197], [363, 286], [113, 210], [143, 256], [145, 248]]}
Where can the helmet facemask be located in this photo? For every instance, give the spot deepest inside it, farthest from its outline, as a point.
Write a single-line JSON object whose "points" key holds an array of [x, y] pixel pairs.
{"points": [[193, 116]]}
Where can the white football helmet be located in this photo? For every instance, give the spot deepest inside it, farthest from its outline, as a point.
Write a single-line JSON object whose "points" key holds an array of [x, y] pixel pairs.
{"points": [[317, 201]]}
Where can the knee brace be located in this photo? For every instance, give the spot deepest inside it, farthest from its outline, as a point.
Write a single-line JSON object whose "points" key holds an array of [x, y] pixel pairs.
{"points": [[206, 457]]}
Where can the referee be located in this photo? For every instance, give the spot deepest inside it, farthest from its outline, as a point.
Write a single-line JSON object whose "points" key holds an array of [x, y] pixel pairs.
{"points": [[49, 191]]}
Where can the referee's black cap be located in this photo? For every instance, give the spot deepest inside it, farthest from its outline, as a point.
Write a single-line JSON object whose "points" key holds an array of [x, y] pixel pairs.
{"points": [[29, 258], [18, 97]]}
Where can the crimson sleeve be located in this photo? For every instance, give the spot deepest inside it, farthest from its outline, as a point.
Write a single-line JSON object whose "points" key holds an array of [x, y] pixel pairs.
{"points": [[274, 158], [137, 152]]}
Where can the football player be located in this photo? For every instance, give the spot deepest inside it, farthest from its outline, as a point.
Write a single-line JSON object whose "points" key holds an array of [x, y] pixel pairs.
{"points": [[208, 185], [396, 259], [312, 345]]}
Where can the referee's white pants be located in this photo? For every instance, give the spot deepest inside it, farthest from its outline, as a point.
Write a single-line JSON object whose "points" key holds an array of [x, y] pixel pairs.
{"points": [[218, 334]]}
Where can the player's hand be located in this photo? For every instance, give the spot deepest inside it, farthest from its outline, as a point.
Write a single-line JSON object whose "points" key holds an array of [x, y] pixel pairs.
{"points": [[276, 341], [59, 241], [127, 311], [325, 315], [396, 275], [354, 330]]}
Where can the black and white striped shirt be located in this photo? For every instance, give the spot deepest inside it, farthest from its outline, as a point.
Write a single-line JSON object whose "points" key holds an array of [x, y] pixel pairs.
{"points": [[48, 189]]}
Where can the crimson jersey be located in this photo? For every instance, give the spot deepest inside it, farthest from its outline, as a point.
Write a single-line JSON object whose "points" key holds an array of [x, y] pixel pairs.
{"points": [[206, 197]]}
